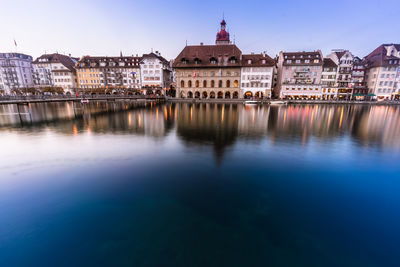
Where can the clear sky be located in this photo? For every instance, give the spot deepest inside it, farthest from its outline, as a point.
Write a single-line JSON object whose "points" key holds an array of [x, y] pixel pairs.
{"points": [[100, 27]]}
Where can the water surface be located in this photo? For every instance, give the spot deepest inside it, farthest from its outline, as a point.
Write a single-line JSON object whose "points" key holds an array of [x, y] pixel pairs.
{"points": [[145, 184]]}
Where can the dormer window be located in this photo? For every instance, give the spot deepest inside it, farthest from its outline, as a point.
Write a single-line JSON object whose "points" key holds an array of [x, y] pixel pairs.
{"points": [[289, 61], [213, 60], [184, 61], [263, 61], [197, 61], [249, 61], [307, 61], [297, 61]]}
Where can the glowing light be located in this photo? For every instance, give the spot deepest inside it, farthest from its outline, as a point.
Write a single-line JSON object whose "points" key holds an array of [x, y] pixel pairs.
{"points": [[75, 130]]}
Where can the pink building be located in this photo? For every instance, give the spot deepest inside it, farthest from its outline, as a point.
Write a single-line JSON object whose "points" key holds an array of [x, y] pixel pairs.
{"points": [[299, 75]]}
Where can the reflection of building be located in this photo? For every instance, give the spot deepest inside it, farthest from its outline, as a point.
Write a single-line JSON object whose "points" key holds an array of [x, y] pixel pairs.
{"points": [[208, 124], [328, 79], [155, 73], [15, 72], [299, 75], [344, 60], [109, 72], [55, 70], [383, 71], [209, 71], [257, 75], [253, 121]]}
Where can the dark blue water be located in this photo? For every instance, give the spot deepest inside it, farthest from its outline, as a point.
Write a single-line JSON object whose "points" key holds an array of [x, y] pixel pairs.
{"points": [[126, 184]]}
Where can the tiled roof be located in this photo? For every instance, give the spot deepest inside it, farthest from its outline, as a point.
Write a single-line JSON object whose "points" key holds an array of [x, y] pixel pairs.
{"points": [[299, 58], [67, 61], [90, 61], [256, 60], [162, 59], [193, 56], [379, 57], [328, 63]]}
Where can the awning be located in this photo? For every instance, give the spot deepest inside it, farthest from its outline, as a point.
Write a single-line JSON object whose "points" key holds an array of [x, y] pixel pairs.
{"points": [[358, 95], [371, 95]]}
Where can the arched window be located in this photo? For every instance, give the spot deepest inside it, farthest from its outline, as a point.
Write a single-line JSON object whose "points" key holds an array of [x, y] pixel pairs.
{"points": [[190, 84], [205, 83], [182, 84], [236, 84], [197, 83], [220, 83], [228, 83], [212, 83]]}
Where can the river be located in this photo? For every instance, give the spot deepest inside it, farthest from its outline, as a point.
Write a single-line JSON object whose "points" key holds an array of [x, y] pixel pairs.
{"points": [[130, 183]]}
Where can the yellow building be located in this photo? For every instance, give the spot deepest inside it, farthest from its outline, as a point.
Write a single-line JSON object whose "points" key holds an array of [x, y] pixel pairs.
{"points": [[88, 74]]}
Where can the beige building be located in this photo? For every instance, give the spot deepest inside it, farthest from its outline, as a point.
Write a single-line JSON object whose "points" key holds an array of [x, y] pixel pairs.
{"points": [[209, 71]]}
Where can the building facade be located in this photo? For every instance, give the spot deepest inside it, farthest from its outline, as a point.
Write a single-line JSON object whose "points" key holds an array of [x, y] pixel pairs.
{"points": [[209, 71], [358, 79], [55, 70], [344, 60], [15, 72], [328, 80], [110, 74], [299, 75], [257, 74], [383, 71], [156, 73]]}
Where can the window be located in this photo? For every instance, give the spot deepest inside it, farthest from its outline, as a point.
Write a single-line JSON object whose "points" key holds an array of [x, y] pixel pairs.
{"points": [[212, 83], [190, 84], [228, 83], [182, 84], [220, 84]]}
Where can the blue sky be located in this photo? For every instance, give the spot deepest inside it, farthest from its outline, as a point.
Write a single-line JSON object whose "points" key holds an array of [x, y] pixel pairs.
{"points": [[107, 27]]}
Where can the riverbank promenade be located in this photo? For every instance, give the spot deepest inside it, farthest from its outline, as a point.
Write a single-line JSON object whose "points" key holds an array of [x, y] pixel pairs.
{"points": [[65, 98]]}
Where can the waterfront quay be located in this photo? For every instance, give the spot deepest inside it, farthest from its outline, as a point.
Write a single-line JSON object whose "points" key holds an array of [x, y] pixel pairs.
{"points": [[66, 98]]}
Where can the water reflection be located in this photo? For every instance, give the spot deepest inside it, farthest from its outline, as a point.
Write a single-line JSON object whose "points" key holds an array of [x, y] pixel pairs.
{"points": [[216, 125]]}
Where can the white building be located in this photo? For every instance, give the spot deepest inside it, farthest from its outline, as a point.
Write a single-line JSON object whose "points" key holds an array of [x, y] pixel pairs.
{"points": [[156, 73], [15, 72], [55, 70], [344, 59], [328, 79], [257, 74], [383, 71]]}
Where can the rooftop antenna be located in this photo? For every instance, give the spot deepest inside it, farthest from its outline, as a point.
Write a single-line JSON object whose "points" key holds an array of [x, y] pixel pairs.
{"points": [[234, 39], [186, 42]]}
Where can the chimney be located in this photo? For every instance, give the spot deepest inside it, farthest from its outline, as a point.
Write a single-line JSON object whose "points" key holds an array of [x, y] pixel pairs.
{"points": [[201, 43]]}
